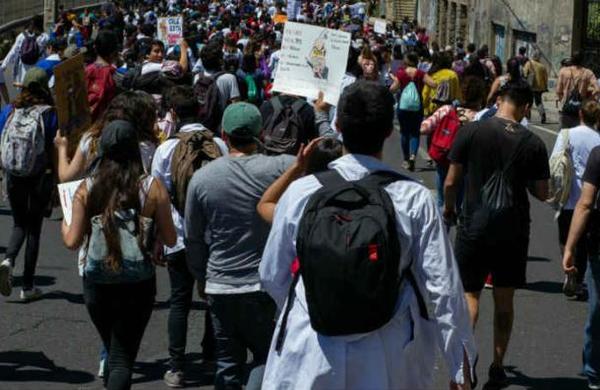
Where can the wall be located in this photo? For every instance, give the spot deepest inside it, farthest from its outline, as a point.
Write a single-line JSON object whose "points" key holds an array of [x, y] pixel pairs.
{"points": [[11, 10], [551, 22]]}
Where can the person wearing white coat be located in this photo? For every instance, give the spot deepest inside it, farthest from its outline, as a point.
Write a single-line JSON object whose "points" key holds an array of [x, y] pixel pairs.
{"points": [[401, 354], [12, 59]]}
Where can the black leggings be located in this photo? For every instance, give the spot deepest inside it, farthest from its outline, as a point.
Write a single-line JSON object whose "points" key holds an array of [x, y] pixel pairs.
{"points": [[120, 313], [29, 198]]}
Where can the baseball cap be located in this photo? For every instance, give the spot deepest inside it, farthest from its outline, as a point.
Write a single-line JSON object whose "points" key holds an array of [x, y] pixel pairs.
{"points": [[242, 120], [36, 79], [119, 141]]}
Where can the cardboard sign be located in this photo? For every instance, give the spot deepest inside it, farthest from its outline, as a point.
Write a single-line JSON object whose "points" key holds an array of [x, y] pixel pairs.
{"points": [[170, 30], [380, 26], [66, 193], [71, 97], [312, 59]]}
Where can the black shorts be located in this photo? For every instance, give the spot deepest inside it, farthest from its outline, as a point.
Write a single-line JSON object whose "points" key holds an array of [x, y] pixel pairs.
{"points": [[507, 263]]}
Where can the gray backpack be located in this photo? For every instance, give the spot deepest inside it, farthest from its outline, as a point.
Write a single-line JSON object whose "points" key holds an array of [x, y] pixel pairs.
{"points": [[23, 142]]}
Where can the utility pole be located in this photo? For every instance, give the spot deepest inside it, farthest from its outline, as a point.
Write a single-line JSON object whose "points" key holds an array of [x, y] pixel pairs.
{"points": [[50, 10]]}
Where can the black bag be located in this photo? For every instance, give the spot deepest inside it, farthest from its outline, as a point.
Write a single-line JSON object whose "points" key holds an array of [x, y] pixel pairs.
{"points": [[30, 50], [498, 217], [349, 256], [283, 129], [207, 92], [574, 101]]}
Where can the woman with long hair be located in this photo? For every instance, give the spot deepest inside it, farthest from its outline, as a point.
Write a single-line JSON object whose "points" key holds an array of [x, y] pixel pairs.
{"points": [[136, 107], [29, 185], [513, 75], [116, 214]]}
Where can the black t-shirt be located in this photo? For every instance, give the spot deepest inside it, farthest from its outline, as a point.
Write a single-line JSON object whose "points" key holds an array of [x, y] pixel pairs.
{"points": [[592, 170], [487, 146]]}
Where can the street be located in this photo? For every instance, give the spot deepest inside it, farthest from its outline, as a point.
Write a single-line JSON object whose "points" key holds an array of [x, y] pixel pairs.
{"points": [[52, 344]]}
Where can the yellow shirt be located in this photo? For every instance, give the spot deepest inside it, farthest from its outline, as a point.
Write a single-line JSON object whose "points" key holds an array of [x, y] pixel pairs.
{"points": [[429, 107]]}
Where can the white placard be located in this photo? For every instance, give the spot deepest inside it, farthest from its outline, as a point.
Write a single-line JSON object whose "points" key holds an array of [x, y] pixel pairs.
{"points": [[312, 59], [170, 30], [66, 192], [380, 26]]}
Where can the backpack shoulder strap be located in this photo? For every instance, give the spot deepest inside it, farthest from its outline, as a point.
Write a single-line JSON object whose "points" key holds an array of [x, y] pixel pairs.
{"points": [[517, 152], [298, 105], [330, 178], [277, 105]]}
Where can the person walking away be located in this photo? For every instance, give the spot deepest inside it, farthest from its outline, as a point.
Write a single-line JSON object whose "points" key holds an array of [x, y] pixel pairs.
{"points": [[183, 107], [224, 243], [54, 51], [575, 85], [453, 117], [313, 345], [578, 143], [493, 231], [28, 127], [116, 211], [28, 48], [101, 86], [410, 82], [536, 74], [584, 219], [513, 75]]}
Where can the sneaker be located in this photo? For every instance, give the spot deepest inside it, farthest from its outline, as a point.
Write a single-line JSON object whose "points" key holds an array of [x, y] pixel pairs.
{"points": [[488, 282], [5, 278], [430, 163], [497, 378], [570, 285], [593, 384], [102, 368], [411, 164], [174, 378], [31, 294]]}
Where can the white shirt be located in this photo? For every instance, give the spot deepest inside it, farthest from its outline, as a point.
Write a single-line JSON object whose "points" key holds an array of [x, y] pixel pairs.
{"points": [[13, 58], [582, 140], [401, 354], [161, 169]]}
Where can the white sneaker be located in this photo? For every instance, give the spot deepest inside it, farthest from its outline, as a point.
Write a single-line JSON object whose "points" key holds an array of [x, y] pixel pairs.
{"points": [[102, 368], [5, 278], [30, 295]]}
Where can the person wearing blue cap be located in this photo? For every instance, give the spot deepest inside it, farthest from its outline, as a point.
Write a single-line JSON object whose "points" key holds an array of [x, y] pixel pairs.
{"points": [[224, 242]]}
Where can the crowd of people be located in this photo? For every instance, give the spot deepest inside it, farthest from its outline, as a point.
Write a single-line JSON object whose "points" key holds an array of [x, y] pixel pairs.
{"points": [[329, 266]]}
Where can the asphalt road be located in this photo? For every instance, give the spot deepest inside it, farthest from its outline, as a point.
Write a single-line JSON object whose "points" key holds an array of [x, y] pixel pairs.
{"points": [[51, 343]]}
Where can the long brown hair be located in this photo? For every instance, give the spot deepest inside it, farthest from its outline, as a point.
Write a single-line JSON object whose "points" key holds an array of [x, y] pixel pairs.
{"points": [[32, 97], [116, 187]]}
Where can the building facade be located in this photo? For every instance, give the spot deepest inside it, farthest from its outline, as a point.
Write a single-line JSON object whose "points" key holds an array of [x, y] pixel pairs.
{"points": [[11, 10], [556, 28]]}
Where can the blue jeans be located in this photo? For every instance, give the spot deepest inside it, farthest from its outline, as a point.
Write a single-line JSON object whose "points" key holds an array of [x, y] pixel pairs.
{"points": [[591, 345], [442, 172], [410, 132], [241, 322]]}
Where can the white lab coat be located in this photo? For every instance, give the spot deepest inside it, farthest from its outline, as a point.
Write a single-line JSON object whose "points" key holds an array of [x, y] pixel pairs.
{"points": [[399, 355], [13, 57]]}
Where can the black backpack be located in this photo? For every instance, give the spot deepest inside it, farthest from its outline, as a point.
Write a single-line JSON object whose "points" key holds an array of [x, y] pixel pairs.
{"points": [[498, 217], [284, 128], [207, 92], [30, 50], [349, 256], [574, 100]]}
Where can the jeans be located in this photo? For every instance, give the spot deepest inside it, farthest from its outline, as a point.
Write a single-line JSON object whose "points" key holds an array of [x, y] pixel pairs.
{"points": [[120, 313], [29, 198], [441, 173], [539, 102], [591, 345], [241, 322], [410, 132], [588, 243], [182, 289]]}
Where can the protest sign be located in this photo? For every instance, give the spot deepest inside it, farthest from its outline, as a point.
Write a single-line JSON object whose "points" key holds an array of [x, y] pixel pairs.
{"points": [[312, 59], [66, 193], [71, 97], [380, 26], [170, 30]]}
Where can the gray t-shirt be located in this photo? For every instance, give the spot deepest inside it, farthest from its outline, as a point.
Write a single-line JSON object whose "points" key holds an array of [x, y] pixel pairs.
{"points": [[224, 235]]}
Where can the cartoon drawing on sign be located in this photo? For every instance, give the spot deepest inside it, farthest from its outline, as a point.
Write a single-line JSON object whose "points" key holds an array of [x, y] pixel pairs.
{"points": [[163, 29], [316, 59]]}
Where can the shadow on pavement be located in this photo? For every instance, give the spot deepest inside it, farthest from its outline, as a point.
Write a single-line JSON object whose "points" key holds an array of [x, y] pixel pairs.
{"points": [[197, 372], [24, 366], [539, 259], [40, 281], [545, 287], [528, 383], [67, 296]]}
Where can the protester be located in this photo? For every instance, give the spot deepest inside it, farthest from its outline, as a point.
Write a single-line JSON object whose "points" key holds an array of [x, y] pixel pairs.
{"points": [[27, 49], [224, 242], [362, 356], [183, 107], [536, 74], [447, 85], [575, 84], [101, 87], [513, 75], [28, 126], [579, 141], [496, 152], [114, 211]]}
